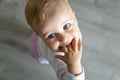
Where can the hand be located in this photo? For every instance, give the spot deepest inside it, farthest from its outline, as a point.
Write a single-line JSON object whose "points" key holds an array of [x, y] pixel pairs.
{"points": [[72, 57], [73, 53]]}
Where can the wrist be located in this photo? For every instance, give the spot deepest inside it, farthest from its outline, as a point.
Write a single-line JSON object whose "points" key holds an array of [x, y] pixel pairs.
{"points": [[75, 69]]}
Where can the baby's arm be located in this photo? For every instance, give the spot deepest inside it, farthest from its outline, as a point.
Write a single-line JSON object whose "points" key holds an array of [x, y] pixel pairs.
{"points": [[62, 70], [72, 57]]}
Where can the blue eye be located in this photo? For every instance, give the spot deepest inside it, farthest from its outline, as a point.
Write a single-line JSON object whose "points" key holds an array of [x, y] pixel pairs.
{"points": [[66, 26], [52, 35]]}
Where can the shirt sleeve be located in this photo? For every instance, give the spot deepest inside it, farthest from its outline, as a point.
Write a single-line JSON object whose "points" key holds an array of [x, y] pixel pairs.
{"points": [[78, 77], [61, 68]]}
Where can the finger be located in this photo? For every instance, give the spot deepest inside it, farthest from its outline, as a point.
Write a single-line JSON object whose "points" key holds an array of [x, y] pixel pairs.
{"points": [[79, 47], [64, 49], [75, 44], [69, 47], [59, 57]]}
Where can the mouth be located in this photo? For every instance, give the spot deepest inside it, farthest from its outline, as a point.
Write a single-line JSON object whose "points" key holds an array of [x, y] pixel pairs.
{"points": [[68, 43]]}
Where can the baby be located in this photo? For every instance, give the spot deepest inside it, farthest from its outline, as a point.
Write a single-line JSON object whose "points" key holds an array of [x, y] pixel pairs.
{"points": [[58, 36]]}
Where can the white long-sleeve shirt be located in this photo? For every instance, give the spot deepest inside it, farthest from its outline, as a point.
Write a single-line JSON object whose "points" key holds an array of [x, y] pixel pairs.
{"points": [[59, 66]]}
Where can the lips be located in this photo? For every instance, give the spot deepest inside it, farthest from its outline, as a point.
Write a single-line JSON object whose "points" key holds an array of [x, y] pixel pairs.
{"points": [[68, 43], [72, 41], [65, 44]]}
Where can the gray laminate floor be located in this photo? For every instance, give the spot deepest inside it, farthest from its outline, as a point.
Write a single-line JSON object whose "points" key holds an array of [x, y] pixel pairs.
{"points": [[99, 22]]}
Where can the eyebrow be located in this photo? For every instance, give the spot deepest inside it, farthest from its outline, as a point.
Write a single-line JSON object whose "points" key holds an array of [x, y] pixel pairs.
{"points": [[69, 19]]}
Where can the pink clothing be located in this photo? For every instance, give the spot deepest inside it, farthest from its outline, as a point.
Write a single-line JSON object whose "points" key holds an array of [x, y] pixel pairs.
{"points": [[34, 50]]}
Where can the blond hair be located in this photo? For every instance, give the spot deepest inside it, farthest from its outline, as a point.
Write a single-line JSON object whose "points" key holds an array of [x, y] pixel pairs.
{"points": [[37, 9]]}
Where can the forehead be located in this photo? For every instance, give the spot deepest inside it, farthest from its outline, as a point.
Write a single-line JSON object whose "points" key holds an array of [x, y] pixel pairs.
{"points": [[61, 10], [56, 15], [58, 6]]}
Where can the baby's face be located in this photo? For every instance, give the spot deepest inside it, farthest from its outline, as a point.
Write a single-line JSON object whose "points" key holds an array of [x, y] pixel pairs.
{"points": [[59, 28]]}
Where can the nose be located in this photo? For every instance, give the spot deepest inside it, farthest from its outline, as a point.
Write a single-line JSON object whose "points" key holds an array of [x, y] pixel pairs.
{"points": [[63, 39]]}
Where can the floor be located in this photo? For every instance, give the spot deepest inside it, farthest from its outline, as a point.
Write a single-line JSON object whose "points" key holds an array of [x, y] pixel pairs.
{"points": [[99, 22]]}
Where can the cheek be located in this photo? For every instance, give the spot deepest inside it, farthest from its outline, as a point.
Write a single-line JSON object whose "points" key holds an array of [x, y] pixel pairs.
{"points": [[52, 45], [76, 32]]}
